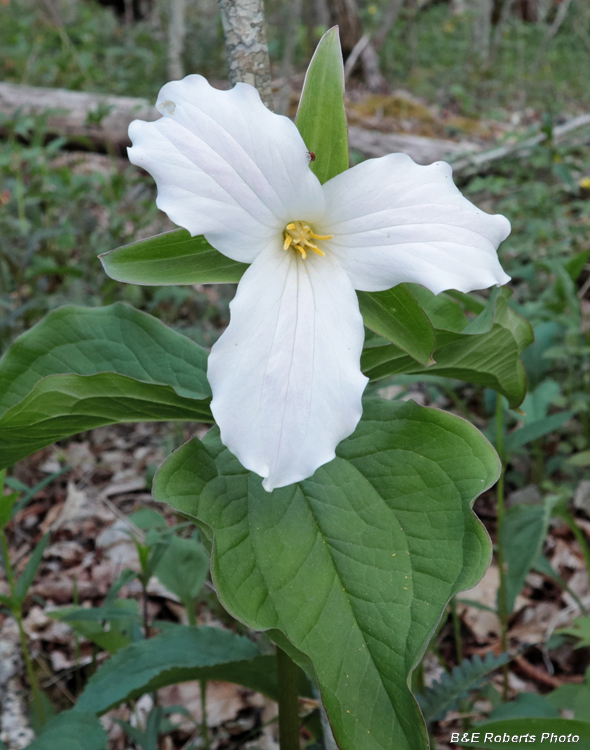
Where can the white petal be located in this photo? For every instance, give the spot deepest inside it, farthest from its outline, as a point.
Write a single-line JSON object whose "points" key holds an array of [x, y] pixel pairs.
{"points": [[226, 166], [285, 375], [395, 221]]}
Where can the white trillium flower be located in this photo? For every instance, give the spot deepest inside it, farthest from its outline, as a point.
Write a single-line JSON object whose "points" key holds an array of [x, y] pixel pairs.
{"points": [[285, 375]]}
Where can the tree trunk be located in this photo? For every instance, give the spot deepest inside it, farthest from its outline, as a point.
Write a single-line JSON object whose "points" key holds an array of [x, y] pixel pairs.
{"points": [[246, 47], [482, 29], [374, 79], [345, 14], [176, 34]]}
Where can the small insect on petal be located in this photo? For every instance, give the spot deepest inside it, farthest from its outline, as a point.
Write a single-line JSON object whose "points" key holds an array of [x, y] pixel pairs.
{"points": [[311, 156]]}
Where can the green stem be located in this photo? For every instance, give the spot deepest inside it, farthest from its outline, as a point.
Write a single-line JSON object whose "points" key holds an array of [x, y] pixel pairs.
{"points": [[205, 740], [288, 678], [17, 614], [457, 631], [502, 600], [189, 605]]}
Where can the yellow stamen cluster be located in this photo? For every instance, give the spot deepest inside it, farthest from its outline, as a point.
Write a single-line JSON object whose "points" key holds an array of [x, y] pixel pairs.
{"points": [[298, 236]]}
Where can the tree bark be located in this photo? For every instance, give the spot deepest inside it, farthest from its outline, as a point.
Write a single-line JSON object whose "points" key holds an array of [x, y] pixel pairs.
{"points": [[246, 47], [345, 14]]}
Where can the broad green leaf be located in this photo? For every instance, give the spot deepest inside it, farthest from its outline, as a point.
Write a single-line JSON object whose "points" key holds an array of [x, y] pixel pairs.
{"points": [[442, 309], [490, 357], [396, 315], [321, 117], [171, 258], [71, 730], [91, 340], [63, 405], [523, 532], [28, 575], [179, 655], [497, 734], [183, 568], [107, 365], [354, 565]]}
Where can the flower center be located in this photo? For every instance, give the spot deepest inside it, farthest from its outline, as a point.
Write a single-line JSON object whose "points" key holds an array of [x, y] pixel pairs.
{"points": [[298, 236]]}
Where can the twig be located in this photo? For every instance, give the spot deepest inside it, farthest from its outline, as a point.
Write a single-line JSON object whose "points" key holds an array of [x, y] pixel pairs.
{"points": [[536, 674], [355, 53]]}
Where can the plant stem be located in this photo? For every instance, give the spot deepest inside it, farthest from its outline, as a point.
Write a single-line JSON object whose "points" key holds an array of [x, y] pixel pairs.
{"points": [[288, 679], [502, 601], [17, 614], [205, 740], [457, 631]]}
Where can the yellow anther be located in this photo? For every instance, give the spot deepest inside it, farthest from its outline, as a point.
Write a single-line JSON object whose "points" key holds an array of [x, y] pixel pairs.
{"points": [[297, 236], [320, 236]]}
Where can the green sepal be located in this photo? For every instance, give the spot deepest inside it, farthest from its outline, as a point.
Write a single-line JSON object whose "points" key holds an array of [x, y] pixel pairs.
{"points": [[171, 258], [321, 118]]}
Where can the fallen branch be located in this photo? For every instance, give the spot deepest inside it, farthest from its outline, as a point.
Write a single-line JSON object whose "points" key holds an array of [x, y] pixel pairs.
{"points": [[99, 117], [423, 150], [476, 162], [104, 119], [79, 116]]}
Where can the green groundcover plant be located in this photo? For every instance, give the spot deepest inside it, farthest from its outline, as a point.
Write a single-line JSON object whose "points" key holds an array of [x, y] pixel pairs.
{"points": [[340, 525]]}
